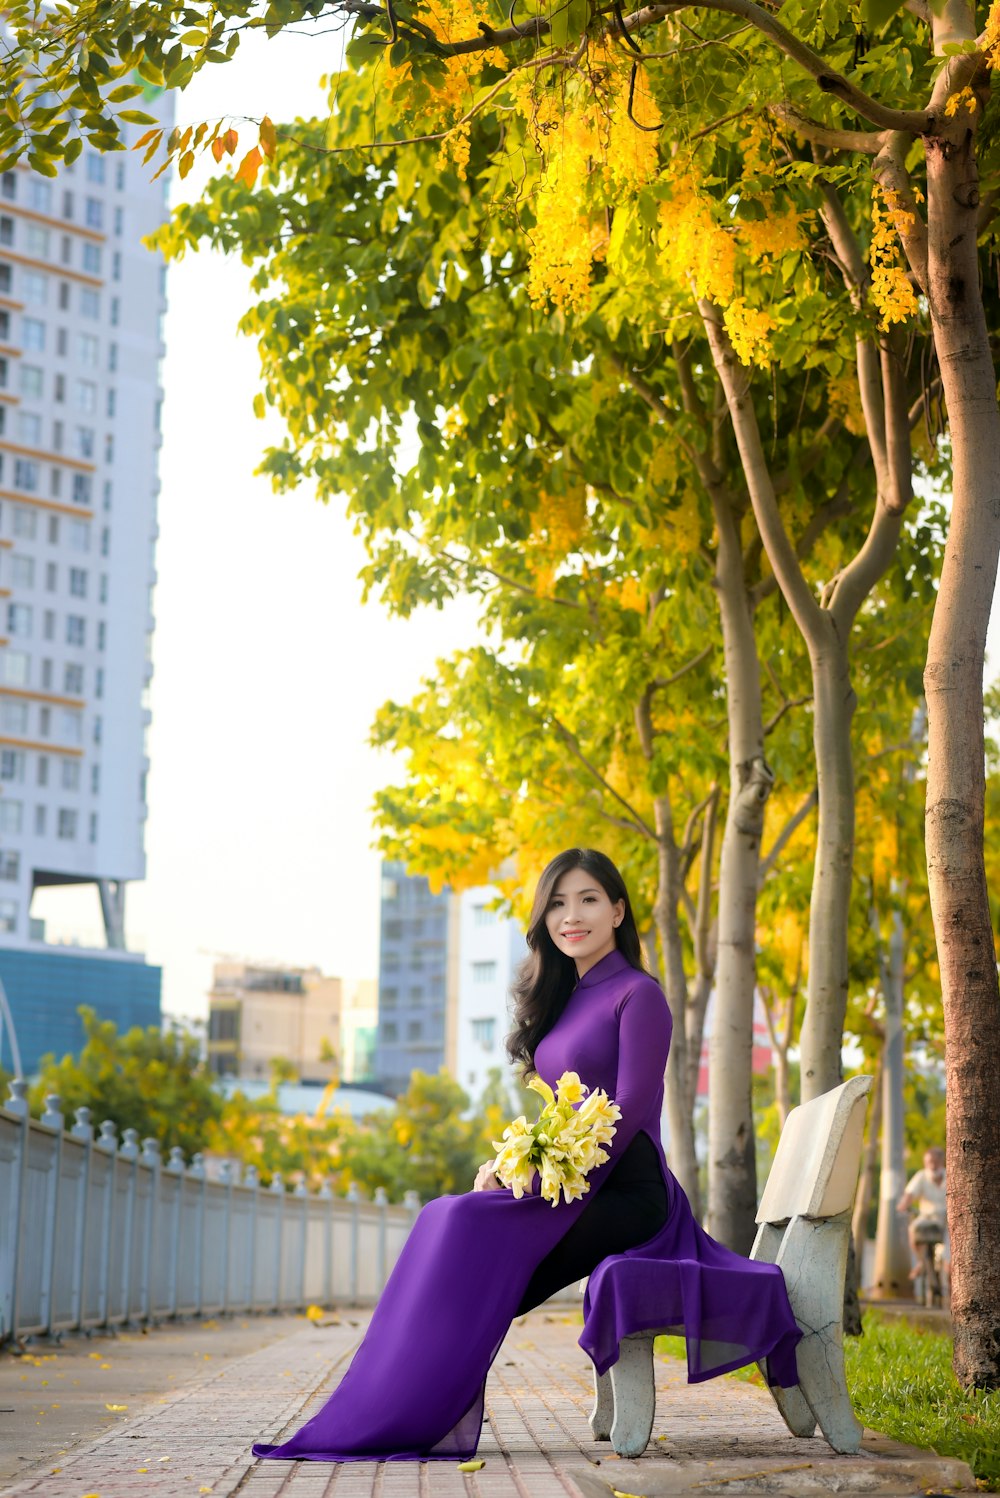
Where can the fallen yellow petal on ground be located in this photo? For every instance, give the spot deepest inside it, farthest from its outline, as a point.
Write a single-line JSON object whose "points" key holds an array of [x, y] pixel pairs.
{"points": [[116, 1407], [471, 1466]]}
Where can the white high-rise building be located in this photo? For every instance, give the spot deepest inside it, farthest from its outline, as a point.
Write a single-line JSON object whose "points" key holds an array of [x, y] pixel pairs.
{"points": [[81, 308], [489, 947]]}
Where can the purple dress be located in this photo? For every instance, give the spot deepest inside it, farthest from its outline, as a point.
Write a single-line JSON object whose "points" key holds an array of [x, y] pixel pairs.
{"points": [[414, 1391]]}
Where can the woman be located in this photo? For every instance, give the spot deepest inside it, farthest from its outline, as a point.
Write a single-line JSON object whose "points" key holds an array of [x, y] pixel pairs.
{"points": [[471, 1263]]}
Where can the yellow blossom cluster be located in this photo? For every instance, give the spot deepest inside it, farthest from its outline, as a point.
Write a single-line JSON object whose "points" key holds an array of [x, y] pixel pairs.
{"points": [[686, 527], [991, 36], [891, 290], [775, 234], [630, 594], [563, 1145], [451, 96], [749, 330], [561, 244], [963, 98], [691, 243]]}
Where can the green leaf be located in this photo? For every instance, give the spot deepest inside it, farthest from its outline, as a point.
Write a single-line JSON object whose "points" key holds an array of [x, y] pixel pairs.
{"points": [[876, 13]]}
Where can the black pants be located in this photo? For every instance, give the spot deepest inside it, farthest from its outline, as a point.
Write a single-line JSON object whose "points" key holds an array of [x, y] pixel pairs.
{"points": [[630, 1207]]}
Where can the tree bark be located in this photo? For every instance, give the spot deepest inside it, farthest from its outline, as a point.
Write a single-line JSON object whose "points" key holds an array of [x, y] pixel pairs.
{"points": [[732, 1181], [953, 681], [866, 1183]]}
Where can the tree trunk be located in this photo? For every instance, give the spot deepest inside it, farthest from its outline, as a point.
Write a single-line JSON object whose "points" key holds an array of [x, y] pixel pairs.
{"points": [[953, 682], [866, 1183], [829, 906], [732, 1177], [680, 1125], [891, 1274]]}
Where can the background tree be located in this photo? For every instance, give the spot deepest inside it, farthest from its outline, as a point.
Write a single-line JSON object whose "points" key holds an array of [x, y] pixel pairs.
{"points": [[150, 1080]]}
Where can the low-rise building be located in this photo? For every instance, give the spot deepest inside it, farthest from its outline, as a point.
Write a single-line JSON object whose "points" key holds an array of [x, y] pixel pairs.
{"points": [[261, 1013]]}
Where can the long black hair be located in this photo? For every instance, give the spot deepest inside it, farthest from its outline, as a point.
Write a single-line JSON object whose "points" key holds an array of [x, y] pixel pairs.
{"points": [[547, 977]]}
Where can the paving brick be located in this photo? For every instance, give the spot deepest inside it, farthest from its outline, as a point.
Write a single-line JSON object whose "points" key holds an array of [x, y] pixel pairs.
{"points": [[724, 1436]]}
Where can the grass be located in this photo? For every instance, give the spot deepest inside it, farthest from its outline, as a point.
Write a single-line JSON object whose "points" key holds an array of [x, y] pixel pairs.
{"points": [[902, 1384]]}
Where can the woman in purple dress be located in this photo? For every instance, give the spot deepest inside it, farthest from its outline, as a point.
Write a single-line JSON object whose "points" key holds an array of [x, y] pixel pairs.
{"points": [[471, 1263]]}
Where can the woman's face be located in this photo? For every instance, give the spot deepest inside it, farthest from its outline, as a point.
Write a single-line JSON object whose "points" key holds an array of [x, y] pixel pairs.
{"points": [[581, 919]]}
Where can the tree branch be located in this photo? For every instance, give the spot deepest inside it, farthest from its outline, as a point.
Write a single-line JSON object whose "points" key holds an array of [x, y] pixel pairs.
{"points": [[573, 744], [868, 141], [785, 707], [787, 832]]}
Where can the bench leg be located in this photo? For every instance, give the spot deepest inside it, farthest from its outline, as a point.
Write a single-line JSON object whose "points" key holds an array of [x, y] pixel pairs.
{"points": [[792, 1404], [634, 1395], [603, 1414], [813, 1259]]}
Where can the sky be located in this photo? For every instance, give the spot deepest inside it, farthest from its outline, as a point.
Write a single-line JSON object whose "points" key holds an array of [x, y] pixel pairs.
{"points": [[268, 669]]}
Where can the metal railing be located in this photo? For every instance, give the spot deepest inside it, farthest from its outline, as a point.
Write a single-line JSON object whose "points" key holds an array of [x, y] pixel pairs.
{"points": [[94, 1233]]}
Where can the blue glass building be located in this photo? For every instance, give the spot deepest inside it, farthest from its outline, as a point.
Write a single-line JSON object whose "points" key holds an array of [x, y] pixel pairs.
{"points": [[46, 985], [413, 949]]}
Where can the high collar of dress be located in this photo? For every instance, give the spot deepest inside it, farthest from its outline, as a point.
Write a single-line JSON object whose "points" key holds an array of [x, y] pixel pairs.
{"points": [[615, 962]]}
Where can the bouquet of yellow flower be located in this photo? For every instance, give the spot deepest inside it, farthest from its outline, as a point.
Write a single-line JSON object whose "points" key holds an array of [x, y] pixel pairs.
{"points": [[563, 1144]]}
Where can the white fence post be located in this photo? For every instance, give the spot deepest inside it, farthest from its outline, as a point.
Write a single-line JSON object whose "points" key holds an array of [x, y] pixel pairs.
{"points": [[83, 1130], [51, 1119], [17, 1107]]}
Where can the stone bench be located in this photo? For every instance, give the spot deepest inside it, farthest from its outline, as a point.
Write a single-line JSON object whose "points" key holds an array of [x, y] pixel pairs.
{"points": [[804, 1224]]}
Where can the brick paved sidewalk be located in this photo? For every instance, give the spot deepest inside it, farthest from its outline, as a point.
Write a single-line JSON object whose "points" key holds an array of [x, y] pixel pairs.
{"points": [[722, 1437]]}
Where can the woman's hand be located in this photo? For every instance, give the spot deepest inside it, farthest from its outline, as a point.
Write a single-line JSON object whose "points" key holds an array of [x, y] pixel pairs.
{"points": [[486, 1180]]}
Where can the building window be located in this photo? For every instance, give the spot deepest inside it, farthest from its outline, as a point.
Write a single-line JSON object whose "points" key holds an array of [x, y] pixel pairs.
{"points": [[13, 716], [92, 259], [414, 1029], [19, 620], [95, 780], [76, 629], [51, 577], [12, 765], [388, 998], [15, 666], [70, 776], [484, 972], [33, 334], [115, 311], [8, 915], [4, 374], [53, 530], [59, 388], [32, 381], [66, 250], [35, 287], [99, 682], [11, 817], [37, 241], [4, 324], [66, 827], [92, 830], [112, 401], [85, 396], [90, 303], [39, 195], [484, 915], [27, 474], [44, 722], [22, 572], [57, 436], [95, 167], [79, 535], [9, 865], [6, 279], [85, 442], [49, 624], [102, 590], [105, 541], [98, 730], [73, 679], [67, 204], [8, 184], [94, 214], [42, 772], [83, 488], [390, 1032], [63, 296], [6, 229], [71, 726], [25, 522], [119, 175], [88, 349], [119, 221], [102, 634], [78, 582], [40, 821], [112, 357], [55, 482]]}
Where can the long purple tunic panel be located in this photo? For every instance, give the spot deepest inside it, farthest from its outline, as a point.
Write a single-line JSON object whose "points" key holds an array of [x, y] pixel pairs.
{"points": [[414, 1390]]}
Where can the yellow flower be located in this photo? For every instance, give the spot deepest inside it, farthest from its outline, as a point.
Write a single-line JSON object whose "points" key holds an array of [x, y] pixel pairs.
{"points": [[543, 1089], [570, 1088]]}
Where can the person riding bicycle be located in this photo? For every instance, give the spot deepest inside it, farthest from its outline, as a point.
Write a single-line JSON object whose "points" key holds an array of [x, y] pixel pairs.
{"points": [[927, 1190]]}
